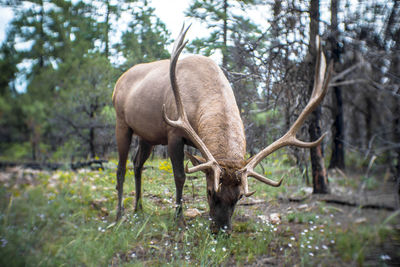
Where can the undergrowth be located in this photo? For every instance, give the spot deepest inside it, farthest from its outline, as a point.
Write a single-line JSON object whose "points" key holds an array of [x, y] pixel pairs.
{"points": [[67, 218]]}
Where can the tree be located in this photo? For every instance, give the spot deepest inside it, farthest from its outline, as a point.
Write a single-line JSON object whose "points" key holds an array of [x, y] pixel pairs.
{"points": [[218, 16], [145, 40], [320, 179], [11, 128], [337, 158], [82, 112], [52, 32]]}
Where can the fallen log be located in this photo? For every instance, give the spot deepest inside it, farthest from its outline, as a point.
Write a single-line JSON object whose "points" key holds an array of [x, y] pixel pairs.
{"points": [[355, 204], [340, 200], [52, 166]]}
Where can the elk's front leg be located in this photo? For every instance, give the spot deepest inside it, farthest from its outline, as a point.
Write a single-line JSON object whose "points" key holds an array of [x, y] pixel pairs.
{"points": [[175, 151]]}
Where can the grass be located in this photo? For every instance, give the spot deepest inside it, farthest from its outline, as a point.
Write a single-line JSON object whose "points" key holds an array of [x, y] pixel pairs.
{"points": [[67, 218]]}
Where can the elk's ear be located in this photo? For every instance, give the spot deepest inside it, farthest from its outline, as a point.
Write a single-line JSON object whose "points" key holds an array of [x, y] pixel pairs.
{"points": [[196, 160]]}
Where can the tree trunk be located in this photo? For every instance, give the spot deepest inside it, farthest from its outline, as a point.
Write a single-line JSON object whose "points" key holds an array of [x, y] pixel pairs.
{"points": [[319, 176], [225, 35], [337, 158], [368, 121], [107, 29], [91, 143]]}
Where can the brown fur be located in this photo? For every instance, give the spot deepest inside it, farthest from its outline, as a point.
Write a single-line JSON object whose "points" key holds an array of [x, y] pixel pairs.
{"points": [[207, 96], [211, 110]]}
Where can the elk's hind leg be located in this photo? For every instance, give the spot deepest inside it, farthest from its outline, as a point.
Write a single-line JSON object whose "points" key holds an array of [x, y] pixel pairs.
{"points": [[124, 137], [140, 158]]}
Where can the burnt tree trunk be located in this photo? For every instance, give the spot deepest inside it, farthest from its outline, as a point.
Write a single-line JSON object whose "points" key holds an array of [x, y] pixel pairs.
{"points": [[319, 176], [368, 121], [337, 158]]}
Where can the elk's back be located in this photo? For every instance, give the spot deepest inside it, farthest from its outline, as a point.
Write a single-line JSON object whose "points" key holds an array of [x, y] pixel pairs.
{"points": [[206, 94]]}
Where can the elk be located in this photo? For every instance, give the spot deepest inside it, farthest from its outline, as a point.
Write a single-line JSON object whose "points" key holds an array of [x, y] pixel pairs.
{"points": [[190, 102]]}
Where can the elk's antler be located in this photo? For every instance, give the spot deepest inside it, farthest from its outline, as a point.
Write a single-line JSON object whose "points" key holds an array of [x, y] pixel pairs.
{"points": [[182, 122], [289, 138]]}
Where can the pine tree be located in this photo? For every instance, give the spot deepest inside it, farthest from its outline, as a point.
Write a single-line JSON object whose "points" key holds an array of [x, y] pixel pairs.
{"points": [[146, 38]]}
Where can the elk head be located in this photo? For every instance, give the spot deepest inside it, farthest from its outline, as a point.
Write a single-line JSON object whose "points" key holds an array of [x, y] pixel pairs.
{"points": [[227, 182]]}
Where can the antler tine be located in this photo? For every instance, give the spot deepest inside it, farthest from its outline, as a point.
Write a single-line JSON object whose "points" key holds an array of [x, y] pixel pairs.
{"points": [[182, 122], [178, 42], [289, 138]]}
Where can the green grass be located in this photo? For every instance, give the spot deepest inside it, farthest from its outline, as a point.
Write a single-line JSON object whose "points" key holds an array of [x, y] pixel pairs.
{"points": [[66, 218]]}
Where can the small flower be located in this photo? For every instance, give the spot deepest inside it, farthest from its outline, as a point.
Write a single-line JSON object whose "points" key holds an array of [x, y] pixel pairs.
{"points": [[223, 249], [3, 242], [385, 257], [213, 249], [311, 254], [290, 245], [324, 247], [292, 238]]}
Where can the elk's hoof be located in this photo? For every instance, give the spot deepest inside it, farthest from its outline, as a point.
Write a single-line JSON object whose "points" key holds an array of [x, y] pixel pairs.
{"points": [[181, 223], [120, 213]]}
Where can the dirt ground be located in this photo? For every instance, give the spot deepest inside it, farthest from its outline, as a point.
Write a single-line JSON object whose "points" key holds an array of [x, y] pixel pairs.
{"points": [[345, 207], [350, 207]]}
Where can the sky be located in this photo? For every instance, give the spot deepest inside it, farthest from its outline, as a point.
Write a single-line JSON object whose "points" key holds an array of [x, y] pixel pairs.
{"points": [[5, 16], [171, 12]]}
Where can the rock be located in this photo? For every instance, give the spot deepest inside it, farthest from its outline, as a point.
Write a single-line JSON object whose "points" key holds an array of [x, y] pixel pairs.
{"points": [[360, 220], [302, 207], [275, 218], [192, 213]]}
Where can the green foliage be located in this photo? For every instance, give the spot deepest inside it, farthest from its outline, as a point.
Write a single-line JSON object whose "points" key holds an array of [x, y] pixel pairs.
{"points": [[67, 222], [83, 105], [145, 40], [67, 217], [17, 151], [67, 76], [265, 117]]}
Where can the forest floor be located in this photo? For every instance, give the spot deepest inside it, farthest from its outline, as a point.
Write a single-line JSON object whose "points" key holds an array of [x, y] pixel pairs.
{"points": [[67, 218]]}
